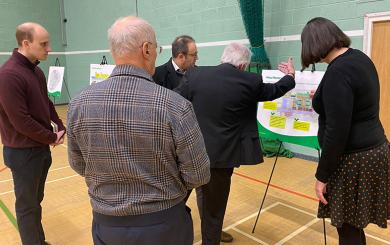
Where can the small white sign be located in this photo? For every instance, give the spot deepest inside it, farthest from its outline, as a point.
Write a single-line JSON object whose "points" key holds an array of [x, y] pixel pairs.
{"points": [[99, 73], [54, 80]]}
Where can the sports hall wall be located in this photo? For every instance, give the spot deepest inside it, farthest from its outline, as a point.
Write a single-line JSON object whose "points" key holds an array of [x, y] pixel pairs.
{"points": [[210, 22], [45, 12]]}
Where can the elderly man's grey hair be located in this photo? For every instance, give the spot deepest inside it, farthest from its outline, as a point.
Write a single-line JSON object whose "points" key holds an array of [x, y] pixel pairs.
{"points": [[236, 54], [128, 34]]}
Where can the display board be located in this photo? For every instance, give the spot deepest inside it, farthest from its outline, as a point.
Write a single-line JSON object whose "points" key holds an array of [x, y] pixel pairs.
{"points": [[99, 72], [291, 118]]}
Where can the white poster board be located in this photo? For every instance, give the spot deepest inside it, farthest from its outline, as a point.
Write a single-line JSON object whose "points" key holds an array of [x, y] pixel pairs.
{"points": [[54, 80], [99, 73], [292, 114]]}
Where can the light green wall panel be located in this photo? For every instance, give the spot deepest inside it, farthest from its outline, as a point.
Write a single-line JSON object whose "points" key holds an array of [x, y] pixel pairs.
{"points": [[15, 12], [44, 12], [78, 70], [89, 20], [86, 29], [204, 20]]}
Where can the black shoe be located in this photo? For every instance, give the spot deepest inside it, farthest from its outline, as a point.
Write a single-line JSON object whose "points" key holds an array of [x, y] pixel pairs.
{"points": [[226, 237]]}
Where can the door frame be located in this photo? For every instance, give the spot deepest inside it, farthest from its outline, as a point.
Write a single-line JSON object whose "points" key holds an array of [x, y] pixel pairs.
{"points": [[369, 20]]}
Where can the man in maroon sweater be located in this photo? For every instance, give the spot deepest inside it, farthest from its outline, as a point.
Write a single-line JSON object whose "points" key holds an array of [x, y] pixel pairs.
{"points": [[25, 126]]}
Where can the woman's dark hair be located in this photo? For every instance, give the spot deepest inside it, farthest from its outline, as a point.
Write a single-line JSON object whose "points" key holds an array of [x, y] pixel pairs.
{"points": [[319, 37]]}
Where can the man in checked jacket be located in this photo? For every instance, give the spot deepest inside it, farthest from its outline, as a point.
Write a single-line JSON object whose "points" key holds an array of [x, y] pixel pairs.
{"points": [[138, 145]]}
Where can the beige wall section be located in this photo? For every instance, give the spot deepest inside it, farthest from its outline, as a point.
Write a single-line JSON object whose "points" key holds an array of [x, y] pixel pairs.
{"points": [[380, 54]]}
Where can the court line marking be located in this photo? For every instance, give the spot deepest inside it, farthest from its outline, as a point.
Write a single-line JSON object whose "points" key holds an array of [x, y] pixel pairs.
{"points": [[299, 210], [377, 238], [244, 219], [47, 182], [280, 188], [299, 230], [51, 170], [233, 226], [327, 220], [250, 216], [9, 214], [249, 236], [296, 232], [276, 187]]}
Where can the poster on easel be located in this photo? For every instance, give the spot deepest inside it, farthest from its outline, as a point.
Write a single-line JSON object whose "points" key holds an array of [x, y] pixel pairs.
{"points": [[54, 80], [291, 118], [100, 72]]}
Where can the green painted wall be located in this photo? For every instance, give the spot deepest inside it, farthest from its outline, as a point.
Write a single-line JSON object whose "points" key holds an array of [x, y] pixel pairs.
{"points": [[86, 29], [288, 17], [44, 12], [205, 20]]}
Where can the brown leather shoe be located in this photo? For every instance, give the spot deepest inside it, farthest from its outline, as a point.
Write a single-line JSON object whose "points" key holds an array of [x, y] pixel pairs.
{"points": [[226, 237]]}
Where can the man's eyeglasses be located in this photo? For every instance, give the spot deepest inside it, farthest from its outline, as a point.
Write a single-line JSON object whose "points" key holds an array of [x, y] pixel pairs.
{"points": [[194, 54], [159, 49]]}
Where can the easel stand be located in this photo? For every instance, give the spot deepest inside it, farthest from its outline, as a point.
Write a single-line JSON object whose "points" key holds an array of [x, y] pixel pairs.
{"points": [[104, 60], [323, 219], [269, 182], [57, 63]]}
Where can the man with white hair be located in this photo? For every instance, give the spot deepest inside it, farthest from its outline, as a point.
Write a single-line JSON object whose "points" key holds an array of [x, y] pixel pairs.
{"points": [[26, 113], [138, 145], [225, 101]]}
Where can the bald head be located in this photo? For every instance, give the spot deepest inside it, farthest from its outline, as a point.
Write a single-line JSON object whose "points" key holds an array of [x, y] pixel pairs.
{"points": [[128, 34], [26, 31], [33, 41], [133, 42]]}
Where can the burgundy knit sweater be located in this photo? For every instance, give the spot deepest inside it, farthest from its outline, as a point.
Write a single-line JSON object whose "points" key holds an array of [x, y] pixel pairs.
{"points": [[25, 109]]}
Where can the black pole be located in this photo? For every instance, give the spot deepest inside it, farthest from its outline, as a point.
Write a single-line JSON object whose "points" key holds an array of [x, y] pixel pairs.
{"points": [[323, 223], [323, 219], [266, 190], [67, 90]]}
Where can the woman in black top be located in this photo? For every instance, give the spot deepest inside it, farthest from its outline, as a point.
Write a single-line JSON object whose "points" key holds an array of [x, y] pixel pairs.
{"points": [[353, 174]]}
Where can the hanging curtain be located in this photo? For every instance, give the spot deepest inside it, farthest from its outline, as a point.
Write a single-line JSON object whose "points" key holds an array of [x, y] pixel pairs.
{"points": [[253, 17]]}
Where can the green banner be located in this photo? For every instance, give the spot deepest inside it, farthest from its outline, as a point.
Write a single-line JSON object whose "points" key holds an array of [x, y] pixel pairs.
{"points": [[308, 141], [291, 118], [54, 94]]}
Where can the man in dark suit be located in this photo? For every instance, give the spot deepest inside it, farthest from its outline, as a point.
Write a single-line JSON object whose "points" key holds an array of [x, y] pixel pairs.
{"points": [[225, 99], [184, 56], [170, 74]]}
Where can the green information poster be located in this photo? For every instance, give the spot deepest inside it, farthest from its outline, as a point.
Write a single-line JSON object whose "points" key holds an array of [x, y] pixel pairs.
{"points": [[291, 118]]}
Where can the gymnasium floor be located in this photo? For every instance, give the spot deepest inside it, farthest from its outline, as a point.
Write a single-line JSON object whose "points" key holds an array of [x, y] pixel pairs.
{"points": [[288, 216]]}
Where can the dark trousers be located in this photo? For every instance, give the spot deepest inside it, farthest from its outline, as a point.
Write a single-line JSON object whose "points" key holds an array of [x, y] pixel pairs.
{"points": [[169, 227], [213, 198], [349, 234], [29, 167]]}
